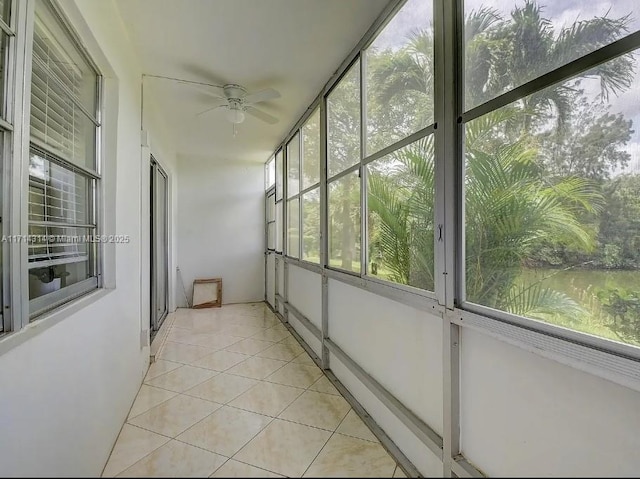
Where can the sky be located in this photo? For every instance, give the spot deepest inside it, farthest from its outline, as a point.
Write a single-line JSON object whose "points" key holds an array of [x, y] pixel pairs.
{"points": [[417, 14]]}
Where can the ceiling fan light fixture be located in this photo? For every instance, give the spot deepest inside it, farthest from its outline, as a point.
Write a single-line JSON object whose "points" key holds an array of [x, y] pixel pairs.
{"points": [[235, 115]]}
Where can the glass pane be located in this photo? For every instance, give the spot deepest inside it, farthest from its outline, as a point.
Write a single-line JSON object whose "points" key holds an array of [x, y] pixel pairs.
{"points": [[343, 123], [58, 257], [62, 58], [4, 54], [279, 227], [344, 222], [57, 194], [5, 11], [293, 227], [547, 33], [401, 212], [311, 150], [161, 254], [553, 205], [279, 176], [271, 208], [311, 226], [399, 76], [293, 166], [270, 173], [271, 236]]}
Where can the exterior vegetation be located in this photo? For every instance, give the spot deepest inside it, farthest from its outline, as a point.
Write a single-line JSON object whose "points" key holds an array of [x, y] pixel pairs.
{"points": [[548, 192]]}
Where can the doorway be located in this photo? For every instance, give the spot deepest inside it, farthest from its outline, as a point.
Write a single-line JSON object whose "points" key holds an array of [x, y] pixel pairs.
{"points": [[159, 246]]}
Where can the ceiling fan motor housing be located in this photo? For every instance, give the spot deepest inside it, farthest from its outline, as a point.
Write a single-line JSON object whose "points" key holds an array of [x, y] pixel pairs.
{"points": [[234, 92]]}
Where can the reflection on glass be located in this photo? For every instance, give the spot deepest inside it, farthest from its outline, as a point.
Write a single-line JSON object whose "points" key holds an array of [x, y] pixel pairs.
{"points": [[400, 208], [271, 236], [279, 227], [311, 226], [343, 122], [399, 76], [279, 176], [344, 222], [553, 205], [4, 42], [508, 44], [293, 228], [311, 150], [293, 166]]}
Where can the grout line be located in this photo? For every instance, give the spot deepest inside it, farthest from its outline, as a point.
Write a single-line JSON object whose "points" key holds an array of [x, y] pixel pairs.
{"points": [[261, 468]]}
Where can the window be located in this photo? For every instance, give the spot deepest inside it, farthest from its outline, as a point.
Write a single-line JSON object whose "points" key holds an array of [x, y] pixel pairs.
{"points": [[293, 166], [279, 201], [343, 162], [63, 168], [293, 228], [400, 204], [270, 217], [344, 222], [399, 77], [343, 123], [310, 202], [550, 34], [270, 173], [552, 182]]}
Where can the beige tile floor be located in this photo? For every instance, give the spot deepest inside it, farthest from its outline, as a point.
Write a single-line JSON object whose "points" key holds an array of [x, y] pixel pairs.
{"points": [[232, 394]]}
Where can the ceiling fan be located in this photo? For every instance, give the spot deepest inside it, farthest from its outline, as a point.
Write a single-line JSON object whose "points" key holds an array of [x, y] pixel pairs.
{"points": [[238, 101]]}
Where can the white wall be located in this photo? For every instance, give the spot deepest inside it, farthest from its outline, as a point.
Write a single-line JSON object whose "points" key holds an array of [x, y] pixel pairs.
{"points": [[523, 414], [221, 226], [67, 388]]}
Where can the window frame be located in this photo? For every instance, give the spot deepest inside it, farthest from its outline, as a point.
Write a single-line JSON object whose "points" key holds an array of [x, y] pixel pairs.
{"points": [[449, 118], [38, 307]]}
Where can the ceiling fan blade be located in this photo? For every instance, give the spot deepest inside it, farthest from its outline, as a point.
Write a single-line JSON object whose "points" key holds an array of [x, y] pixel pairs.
{"points": [[218, 104], [261, 115], [210, 90], [262, 95]]}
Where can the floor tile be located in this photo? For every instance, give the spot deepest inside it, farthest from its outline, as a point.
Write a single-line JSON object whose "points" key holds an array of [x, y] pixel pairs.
{"points": [[181, 379], [304, 358], [345, 456], [240, 330], [183, 353], [284, 447], [274, 335], [297, 375], [159, 367], [225, 431], [217, 341], [323, 385], [221, 360], [256, 368], [233, 468], [399, 472], [176, 459], [284, 352], [353, 426], [316, 409], [175, 415], [149, 397], [267, 398], [249, 346], [132, 445], [222, 388]]}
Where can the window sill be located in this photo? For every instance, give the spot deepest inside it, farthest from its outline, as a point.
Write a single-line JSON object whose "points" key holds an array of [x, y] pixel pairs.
{"points": [[13, 339]]}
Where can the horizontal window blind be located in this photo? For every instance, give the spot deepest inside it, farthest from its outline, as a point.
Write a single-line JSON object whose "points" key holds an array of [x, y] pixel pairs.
{"points": [[60, 216]]}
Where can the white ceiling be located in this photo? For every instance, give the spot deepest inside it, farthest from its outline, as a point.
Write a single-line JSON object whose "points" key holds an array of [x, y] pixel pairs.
{"points": [[293, 46]]}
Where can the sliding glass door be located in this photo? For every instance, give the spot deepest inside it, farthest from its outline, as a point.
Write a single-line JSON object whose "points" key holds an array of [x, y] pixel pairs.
{"points": [[159, 249]]}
